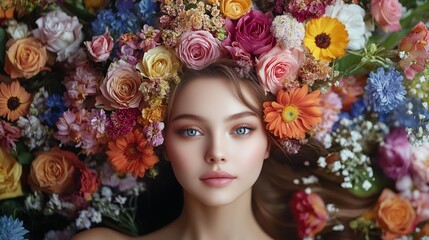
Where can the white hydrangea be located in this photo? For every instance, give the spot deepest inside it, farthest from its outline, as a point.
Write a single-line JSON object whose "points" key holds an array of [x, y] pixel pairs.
{"points": [[352, 16], [288, 31]]}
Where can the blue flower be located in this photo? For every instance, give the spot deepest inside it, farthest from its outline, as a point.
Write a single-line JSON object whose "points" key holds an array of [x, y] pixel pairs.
{"points": [[125, 22], [410, 114], [358, 108], [104, 19], [11, 229], [147, 11], [55, 109], [124, 5], [384, 90]]}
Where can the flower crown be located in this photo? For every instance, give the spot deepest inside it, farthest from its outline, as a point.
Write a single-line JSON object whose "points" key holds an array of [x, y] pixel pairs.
{"points": [[347, 73]]}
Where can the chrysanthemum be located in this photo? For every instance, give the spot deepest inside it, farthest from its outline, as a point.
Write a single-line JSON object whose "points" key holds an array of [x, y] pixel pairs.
{"points": [[326, 37], [131, 153], [384, 90], [11, 228], [294, 113], [14, 101]]}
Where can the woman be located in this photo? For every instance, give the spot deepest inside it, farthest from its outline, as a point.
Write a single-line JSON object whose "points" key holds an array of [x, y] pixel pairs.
{"points": [[217, 145]]}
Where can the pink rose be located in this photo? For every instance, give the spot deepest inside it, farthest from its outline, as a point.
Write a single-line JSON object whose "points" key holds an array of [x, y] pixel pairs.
{"points": [[197, 49], [420, 161], [278, 67], [416, 48], [100, 47], [387, 14], [238, 53], [120, 87], [309, 212], [60, 33], [395, 154], [252, 31]]}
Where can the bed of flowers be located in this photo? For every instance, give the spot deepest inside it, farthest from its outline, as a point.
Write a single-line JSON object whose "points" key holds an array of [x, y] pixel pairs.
{"points": [[84, 87]]}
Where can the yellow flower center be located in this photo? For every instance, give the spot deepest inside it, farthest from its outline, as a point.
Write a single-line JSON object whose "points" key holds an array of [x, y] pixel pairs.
{"points": [[323, 40], [290, 113]]}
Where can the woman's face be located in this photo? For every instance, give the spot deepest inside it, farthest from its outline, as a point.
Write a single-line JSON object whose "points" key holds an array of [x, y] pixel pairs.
{"points": [[215, 143]]}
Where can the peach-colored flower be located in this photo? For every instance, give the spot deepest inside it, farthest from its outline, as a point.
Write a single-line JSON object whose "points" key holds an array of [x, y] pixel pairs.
{"points": [[294, 113], [53, 171], [420, 161], [278, 68], [25, 58], [387, 14], [309, 212], [394, 215], [14, 101], [415, 45], [10, 174], [120, 88], [6, 9], [132, 153], [234, 9], [158, 62]]}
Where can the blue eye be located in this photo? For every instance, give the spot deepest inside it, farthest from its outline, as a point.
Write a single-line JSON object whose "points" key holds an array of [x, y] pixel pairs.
{"points": [[190, 132], [242, 130]]}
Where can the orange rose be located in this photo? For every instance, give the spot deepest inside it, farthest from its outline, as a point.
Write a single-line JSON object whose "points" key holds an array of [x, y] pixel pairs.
{"points": [[53, 171], [25, 58], [424, 231], [234, 9], [6, 9], [394, 215]]}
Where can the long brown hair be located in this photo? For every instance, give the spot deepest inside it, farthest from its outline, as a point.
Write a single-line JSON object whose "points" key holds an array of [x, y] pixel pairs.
{"points": [[273, 190]]}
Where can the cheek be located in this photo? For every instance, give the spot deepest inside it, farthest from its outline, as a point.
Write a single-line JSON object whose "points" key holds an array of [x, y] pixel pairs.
{"points": [[253, 154], [183, 156]]}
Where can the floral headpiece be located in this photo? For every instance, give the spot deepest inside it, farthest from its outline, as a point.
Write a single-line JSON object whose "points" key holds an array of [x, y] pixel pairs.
{"points": [[91, 80]]}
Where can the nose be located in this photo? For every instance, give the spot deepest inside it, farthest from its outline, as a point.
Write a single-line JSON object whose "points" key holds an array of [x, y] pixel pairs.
{"points": [[216, 150]]}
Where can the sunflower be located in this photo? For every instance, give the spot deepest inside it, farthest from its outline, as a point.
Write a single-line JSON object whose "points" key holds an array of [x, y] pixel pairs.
{"points": [[14, 101], [326, 37], [131, 153], [294, 113]]}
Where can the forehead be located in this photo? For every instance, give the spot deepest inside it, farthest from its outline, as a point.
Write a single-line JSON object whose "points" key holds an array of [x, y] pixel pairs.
{"points": [[211, 97]]}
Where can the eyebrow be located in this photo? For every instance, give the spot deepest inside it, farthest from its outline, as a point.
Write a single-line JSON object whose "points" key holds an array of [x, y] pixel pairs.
{"points": [[229, 118]]}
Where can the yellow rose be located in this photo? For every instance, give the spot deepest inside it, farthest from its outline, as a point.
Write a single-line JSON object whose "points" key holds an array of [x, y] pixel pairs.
{"points": [[234, 9], [53, 171], [25, 58], [158, 63], [10, 174]]}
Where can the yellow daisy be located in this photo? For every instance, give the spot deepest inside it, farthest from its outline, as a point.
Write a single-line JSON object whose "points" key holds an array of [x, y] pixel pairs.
{"points": [[326, 37]]}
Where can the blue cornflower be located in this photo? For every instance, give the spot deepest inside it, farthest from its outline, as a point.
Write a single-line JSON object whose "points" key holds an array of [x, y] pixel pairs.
{"points": [[384, 90], [147, 11], [358, 108], [55, 109], [410, 114], [124, 5], [11, 229], [104, 19]]}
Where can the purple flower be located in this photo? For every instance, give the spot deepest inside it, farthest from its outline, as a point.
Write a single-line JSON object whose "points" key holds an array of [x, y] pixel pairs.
{"points": [[394, 157], [153, 133]]}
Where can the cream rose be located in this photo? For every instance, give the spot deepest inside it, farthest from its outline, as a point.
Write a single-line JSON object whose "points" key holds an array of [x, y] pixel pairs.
{"points": [[158, 62], [120, 88], [25, 58], [234, 9], [420, 161], [10, 174], [53, 171]]}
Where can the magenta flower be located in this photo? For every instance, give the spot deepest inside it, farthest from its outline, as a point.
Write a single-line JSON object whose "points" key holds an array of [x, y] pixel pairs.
{"points": [[394, 157], [122, 122], [305, 9]]}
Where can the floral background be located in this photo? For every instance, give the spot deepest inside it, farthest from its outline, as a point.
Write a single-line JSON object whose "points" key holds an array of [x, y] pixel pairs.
{"points": [[84, 86]]}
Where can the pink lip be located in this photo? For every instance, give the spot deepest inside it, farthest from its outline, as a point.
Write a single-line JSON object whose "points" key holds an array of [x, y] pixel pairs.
{"points": [[217, 178]]}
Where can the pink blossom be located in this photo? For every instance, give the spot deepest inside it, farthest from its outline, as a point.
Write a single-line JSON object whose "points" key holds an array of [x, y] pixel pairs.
{"points": [[197, 49], [153, 133], [252, 31], [305, 9], [69, 127], [278, 68], [129, 48], [394, 156], [238, 53], [100, 47], [415, 45], [387, 14], [331, 107], [8, 135], [150, 38], [60, 33], [420, 161]]}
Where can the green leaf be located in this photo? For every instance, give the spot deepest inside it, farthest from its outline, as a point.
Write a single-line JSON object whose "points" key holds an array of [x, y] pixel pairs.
{"points": [[3, 40], [25, 158], [190, 6]]}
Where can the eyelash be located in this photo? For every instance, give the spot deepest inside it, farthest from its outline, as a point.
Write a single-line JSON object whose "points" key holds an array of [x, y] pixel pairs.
{"points": [[185, 131]]}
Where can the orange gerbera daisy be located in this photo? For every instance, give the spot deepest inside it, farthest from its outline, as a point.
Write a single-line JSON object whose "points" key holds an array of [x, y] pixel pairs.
{"points": [[131, 153], [14, 101], [294, 113]]}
